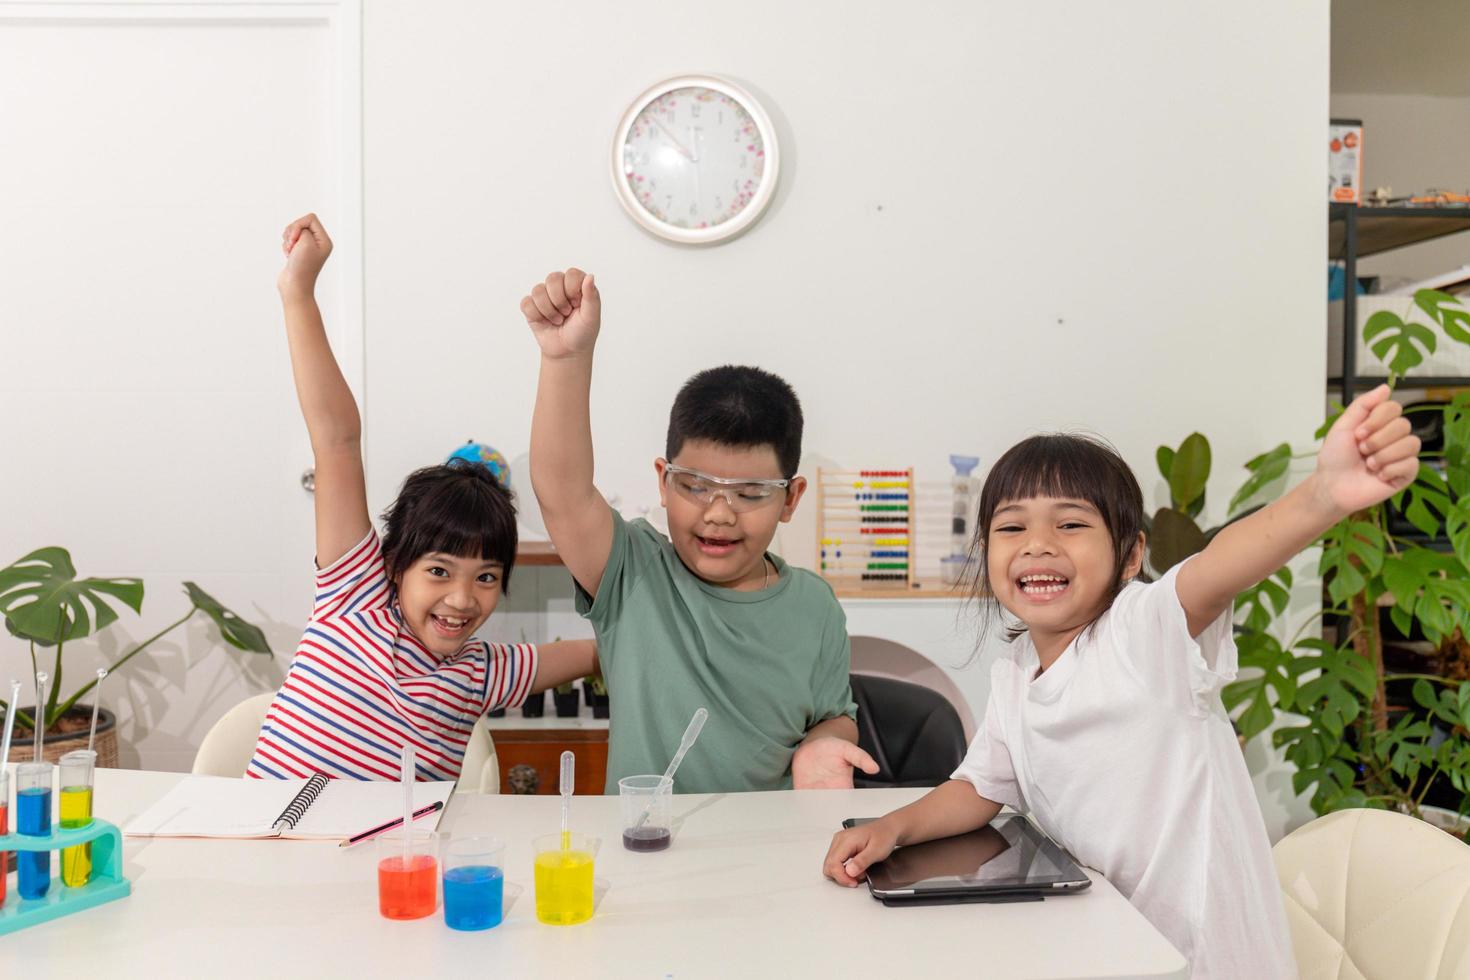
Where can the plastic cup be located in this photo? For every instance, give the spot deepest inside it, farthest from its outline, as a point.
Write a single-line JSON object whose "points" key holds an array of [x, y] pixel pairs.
{"points": [[564, 879], [76, 769], [474, 883], [33, 819], [408, 887], [654, 796]]}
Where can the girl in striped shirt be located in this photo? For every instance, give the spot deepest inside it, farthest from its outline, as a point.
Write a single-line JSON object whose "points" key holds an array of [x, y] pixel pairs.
{"points": [[389, 656]]}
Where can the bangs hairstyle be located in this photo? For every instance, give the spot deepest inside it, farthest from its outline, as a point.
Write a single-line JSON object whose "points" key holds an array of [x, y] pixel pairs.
{"points": [[1062, 465], [738, 407], [458, 509]]}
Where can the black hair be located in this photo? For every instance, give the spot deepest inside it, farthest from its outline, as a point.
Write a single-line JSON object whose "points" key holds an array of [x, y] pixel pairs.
{"points": [[738, 406], [457, 508], [1063, 465]]}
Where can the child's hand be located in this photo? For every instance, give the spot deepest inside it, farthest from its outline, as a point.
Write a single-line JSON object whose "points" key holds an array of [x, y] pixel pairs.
{"points": [[854, 851], [827, 763], [565, 313], [1368, 455], [306, 247]]}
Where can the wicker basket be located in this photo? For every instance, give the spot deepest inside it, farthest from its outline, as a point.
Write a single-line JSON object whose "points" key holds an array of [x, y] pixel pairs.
{"points": [[57, 746]]}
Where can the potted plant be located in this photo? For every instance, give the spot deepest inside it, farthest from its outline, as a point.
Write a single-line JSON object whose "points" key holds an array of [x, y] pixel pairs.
{"points": [[1367, 723], [566, 699], [535, 705], [601, 704], [45, 604]]}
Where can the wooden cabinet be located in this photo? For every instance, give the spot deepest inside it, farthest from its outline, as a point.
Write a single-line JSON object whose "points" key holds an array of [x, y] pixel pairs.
{"points": [[541, 749]]}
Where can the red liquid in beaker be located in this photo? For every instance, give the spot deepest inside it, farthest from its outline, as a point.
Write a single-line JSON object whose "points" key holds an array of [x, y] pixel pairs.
{"points": [[407, 891]]}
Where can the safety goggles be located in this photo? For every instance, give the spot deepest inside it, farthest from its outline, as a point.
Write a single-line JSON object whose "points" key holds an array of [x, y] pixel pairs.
{"points": [[740, 495]]}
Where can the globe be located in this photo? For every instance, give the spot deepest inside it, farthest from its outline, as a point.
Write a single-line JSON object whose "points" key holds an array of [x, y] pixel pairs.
{"points": [[487, 456]]}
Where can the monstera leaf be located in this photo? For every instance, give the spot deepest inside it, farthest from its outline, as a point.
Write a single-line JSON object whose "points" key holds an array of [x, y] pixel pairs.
{"points": [[237, 633], [42, 599]]}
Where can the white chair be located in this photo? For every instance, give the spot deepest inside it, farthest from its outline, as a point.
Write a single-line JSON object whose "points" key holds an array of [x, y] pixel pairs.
{"points": [[227, 748], [1376, 895]]}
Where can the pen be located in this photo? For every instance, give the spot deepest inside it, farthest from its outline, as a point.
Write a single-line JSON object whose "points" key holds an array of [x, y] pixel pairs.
{"points": [[398, 822]]}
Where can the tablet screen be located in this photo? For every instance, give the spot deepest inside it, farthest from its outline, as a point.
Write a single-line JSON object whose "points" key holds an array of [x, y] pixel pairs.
{"points": [[1009, 852]]}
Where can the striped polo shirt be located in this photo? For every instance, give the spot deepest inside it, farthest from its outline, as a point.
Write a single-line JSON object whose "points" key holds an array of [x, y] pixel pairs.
{"points": [[362, 686]]}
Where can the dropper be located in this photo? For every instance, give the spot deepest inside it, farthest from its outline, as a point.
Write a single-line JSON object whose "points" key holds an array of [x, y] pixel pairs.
{"points": [[39, 715], [407, 773], [96, 702], [568, 767], [9, 724], [696, 724]]}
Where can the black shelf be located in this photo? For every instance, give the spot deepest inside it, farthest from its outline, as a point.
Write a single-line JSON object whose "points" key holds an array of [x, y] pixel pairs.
{"points": [[1368, 231], [1362, 381]]}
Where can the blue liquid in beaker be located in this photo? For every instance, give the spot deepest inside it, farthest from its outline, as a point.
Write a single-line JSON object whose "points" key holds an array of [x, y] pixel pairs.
{"points": [[473, 897]]}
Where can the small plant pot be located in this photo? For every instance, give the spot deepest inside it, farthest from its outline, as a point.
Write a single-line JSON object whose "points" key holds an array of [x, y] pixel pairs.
{"points": [[567, 705], [587, 693], [497, 713], [535, 705], [601, 706]]}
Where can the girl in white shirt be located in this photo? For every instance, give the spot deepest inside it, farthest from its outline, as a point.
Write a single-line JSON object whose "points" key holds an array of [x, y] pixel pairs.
{"points": [[1105, 722]]}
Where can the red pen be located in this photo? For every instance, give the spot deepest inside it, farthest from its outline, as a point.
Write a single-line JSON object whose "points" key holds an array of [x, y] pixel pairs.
{"points": [[434, 807]]}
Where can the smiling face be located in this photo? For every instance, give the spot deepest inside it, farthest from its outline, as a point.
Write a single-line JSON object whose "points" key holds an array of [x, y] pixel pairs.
{"points": [[725, 544], [445, 598], [1050, 562]]}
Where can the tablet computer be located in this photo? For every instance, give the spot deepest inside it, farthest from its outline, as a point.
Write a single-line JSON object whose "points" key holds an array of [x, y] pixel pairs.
{"points": [[1007, 860]]}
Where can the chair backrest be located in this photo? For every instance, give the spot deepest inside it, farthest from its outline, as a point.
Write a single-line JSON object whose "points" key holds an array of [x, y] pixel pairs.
{"points": [[227, 748], [1376, 895], [912, 732], [480, 772]]}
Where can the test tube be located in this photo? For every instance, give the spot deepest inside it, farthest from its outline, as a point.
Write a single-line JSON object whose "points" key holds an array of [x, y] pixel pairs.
{"points": [[76, 811], [33, 819], [4, 828]]}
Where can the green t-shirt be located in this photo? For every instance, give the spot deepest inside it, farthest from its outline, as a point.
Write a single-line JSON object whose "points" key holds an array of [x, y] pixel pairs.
{"points": [[768, 665]]}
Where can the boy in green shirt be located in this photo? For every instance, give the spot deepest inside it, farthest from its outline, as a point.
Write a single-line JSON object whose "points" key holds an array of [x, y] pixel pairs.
{"points": [[705, 616]]}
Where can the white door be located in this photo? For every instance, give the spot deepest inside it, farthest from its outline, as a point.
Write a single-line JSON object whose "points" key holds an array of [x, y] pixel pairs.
{"points": [[149, 156]]}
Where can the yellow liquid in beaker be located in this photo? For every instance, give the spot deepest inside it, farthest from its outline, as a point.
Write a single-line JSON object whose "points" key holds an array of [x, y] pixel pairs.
{"points": [[76, 811], [563, 887]]}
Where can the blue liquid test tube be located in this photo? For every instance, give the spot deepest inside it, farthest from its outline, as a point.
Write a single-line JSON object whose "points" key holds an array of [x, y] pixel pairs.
{"points": [[33, 819]]}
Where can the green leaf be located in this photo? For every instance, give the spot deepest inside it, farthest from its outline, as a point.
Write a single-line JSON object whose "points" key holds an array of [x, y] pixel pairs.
{"points": [[1350, 548], [1175, 537], [1164, 456], [1446, 310], [1265, 600], [42, 598], [1332, 418], [238, 633], [1265, 469], [1398, 342], [1189, 471]]}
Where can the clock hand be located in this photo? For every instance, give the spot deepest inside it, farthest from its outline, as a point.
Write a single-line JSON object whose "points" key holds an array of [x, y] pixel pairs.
{"points": [[680, 146]]}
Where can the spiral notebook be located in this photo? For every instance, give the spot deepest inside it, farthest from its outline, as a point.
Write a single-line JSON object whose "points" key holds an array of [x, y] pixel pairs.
{"points": [[293, 809]]}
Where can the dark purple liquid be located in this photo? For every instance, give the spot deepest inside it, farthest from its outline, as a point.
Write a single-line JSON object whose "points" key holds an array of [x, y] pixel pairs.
{"points": [[646, 838]]}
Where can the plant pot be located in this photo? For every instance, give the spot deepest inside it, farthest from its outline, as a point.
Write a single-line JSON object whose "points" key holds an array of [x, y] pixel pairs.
{"points": [[1447, 820], [70, 732], [587, 693], [601, 706], [567, 705], [535, 705], [497, 713]]}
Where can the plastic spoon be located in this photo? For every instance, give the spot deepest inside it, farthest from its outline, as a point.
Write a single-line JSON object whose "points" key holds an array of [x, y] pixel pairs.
{"points": [[9, 724], [568, 767], [407, 760], [96, 702], [696, 724]]}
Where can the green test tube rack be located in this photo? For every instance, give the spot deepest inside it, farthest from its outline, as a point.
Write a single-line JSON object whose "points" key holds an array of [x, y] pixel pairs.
{"points": [[107, 882]]}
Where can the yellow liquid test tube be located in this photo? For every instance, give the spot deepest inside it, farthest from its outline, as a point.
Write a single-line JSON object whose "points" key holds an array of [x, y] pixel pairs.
{"points": [[76, 811]]}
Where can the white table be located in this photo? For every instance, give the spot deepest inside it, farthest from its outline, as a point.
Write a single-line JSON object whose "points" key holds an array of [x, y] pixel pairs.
{"points": [[740, 894]]}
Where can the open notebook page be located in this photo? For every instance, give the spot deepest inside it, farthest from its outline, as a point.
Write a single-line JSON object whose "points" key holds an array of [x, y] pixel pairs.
{"points": [[219, 806]]}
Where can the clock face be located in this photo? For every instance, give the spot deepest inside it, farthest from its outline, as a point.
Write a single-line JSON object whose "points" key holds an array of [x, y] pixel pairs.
{"points": [[695, 162]]}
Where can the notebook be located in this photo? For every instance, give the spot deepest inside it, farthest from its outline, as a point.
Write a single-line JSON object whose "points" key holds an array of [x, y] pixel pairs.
{"points": [[294, 809]]}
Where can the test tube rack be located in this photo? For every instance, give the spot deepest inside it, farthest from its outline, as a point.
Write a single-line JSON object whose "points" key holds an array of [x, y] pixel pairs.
{"points": [[107, 883], [865, 530]]}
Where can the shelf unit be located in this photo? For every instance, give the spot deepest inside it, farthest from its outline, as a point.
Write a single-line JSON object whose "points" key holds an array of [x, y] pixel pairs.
{"points": [[1355, 232]]}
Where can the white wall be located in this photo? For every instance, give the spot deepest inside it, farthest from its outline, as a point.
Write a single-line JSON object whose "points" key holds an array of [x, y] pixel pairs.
{"points": [[994, 219]]}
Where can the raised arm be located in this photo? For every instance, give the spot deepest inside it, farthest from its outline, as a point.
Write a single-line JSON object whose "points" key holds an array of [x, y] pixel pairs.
{"points": [[332, 420], [565, 313], [1367, 457]]}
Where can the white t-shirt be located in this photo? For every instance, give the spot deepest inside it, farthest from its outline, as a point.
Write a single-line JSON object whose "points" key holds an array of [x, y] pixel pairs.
{"points": [[1123, 753]]}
